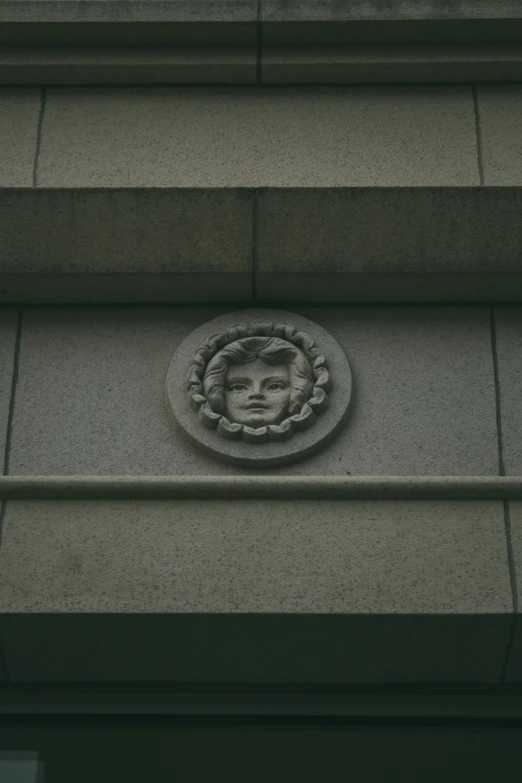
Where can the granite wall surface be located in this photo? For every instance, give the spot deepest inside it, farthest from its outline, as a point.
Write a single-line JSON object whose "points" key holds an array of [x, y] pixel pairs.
{"points": [[89, 397], [433, 384], [225, 137], [233, 196], [104, 193]]}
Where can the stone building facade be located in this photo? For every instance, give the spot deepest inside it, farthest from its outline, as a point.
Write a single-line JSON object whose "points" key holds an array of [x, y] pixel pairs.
{"points": [[169, 603]]}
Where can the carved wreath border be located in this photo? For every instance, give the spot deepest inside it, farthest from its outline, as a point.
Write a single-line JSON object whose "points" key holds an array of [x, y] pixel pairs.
{"points": [[271, 432]]}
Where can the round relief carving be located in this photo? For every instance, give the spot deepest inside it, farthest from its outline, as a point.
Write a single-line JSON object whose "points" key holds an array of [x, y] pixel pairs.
{"points": [[260, 387]]}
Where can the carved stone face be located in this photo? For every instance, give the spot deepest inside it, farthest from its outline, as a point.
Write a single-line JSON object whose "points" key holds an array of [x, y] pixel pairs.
{"points": [[257, 393]]}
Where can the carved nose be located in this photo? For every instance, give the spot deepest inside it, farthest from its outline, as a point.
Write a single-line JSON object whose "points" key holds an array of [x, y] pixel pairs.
{"points": [[256, 395]]}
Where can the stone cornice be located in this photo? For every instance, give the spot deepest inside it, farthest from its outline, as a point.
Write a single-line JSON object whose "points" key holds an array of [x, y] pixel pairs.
{"points": [[270, 42]]}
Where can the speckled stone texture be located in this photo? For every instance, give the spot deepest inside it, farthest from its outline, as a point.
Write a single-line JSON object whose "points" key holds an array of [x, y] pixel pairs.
{"points": [[414, 583], [279, 137], [500, 111], [393, 10], [90, 393], [205, 11], [508, 323], [8, 319], [310, 245], [255, 556], [19, 113], [127, 232], [327, 231]]}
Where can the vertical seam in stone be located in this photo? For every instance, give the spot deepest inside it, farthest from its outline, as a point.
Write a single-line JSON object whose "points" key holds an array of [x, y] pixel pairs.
{"points": [[509, 647], [478, 134], [43, 102], [3, 508], [14, 382], [254, 247], [511, 557], [505, 504], [496, 377], [259, 40]]}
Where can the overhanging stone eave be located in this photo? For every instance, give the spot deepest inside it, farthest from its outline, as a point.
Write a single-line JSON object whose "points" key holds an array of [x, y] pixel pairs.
{"points": [[312, 245], [237, 42]]}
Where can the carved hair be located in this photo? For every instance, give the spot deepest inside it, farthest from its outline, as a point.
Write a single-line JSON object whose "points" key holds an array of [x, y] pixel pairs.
{"points": [[272, 350], [274, 343]]}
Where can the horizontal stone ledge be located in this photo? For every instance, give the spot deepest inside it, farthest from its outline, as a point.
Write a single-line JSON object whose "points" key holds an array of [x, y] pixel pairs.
{"points": [[126, 245], [260, 487], [391, 11], [318, 63], [484, 702], [202, 12], [237, 42], [313, 245], [267, 12], [162, 64], [112, 288], [237, 64], [297, 650], [83, 12]]}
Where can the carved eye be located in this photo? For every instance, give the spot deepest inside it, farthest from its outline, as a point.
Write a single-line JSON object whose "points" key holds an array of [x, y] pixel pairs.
{"points": [[236, 387], [276, 386]]}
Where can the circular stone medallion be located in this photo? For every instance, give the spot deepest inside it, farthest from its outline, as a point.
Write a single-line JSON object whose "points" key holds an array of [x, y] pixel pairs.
{"points": [[259, 388]]}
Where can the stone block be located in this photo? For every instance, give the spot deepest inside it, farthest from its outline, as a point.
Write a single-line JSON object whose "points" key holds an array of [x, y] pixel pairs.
{"points": [[107, 411], [364, 11], [500, 111], [346, 288], [367, 233], [244, 137], [126, 233], [127, 287], [90, 393], [168, 11], [19, 114], [8, 319], [424, 392], [508, 321], [422, 557], [314, 245], [403, 591]]}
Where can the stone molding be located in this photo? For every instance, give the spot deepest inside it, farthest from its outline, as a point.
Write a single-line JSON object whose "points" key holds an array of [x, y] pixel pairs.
{"points": [[235, 42], [260, 487]]}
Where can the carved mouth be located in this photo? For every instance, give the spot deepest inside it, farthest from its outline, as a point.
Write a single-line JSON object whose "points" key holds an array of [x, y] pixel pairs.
{"points": [[256, 407]]}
